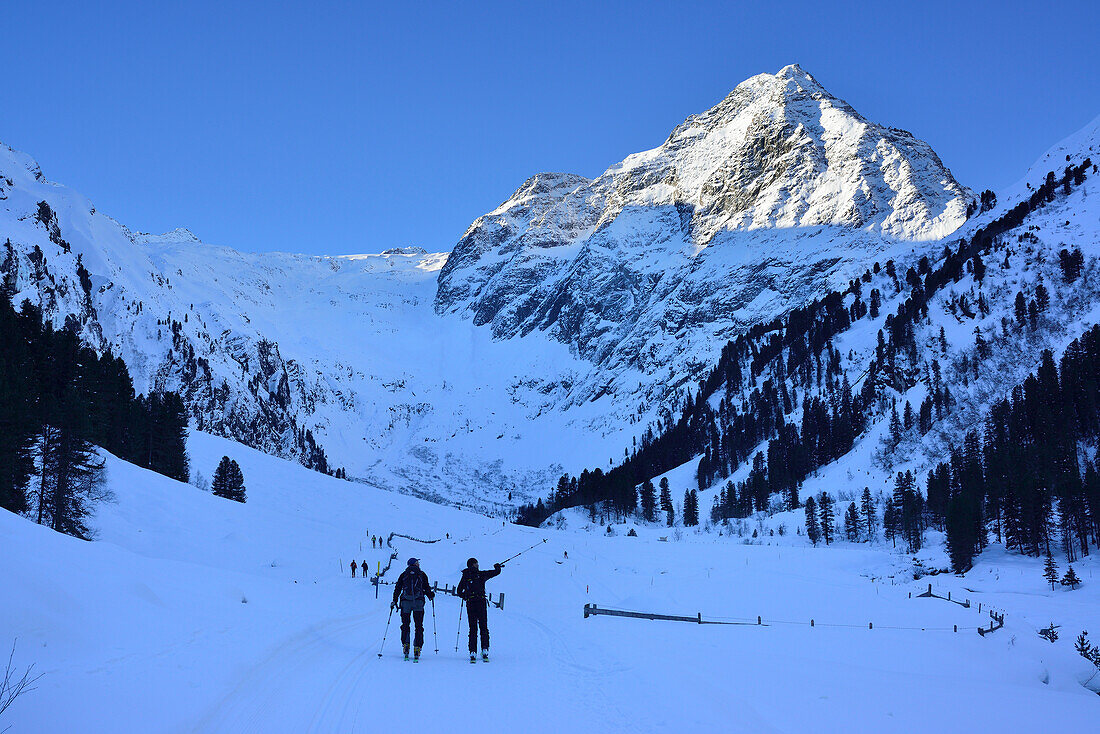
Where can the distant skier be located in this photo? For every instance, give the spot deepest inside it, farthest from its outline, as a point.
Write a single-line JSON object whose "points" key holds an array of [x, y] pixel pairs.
{"points": [[353, 567], [566, 555], [472, 589], [363, 569], [408, 594], [373, 541]]}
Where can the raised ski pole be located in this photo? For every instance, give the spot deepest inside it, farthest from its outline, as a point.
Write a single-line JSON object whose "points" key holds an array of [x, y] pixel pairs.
{"points": [[536, 545], [435, 630], [458, 633], [383, 645]]}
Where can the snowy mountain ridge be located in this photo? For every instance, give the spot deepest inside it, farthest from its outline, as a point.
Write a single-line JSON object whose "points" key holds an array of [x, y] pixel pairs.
{"points": [[604, 298], [779, 192]]}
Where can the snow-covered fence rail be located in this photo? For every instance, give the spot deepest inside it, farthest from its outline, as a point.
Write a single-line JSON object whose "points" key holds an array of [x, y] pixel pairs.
{"points": [[408, 537], [929, 593], [996, 621], [591, 610]]}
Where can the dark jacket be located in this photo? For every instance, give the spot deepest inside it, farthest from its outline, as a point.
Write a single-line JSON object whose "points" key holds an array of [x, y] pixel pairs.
{"points": [[472, 585], [420, 590]]}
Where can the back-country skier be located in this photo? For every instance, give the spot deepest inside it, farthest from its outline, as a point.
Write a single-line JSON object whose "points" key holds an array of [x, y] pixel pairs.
{"points": [[472, 589], [408, 594], [353, 567]]}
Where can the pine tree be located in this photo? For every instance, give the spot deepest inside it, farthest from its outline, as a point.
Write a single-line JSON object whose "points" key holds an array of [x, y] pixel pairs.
{"points": [[890, 522], [229, 481], [1070, 579], [851, 523], [666, 503], [1050, 571], [813, 532], [827, 517], [867, 509], [691, 508], [648, 500]]}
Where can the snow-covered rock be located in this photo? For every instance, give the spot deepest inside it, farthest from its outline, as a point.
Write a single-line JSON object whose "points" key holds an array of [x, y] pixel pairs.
{"points": [[747, 210]]}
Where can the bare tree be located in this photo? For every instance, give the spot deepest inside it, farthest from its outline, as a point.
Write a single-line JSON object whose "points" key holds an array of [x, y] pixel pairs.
{"points": [[14, 685]]}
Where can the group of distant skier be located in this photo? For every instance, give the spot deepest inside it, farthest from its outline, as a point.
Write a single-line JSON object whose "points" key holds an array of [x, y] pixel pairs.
{"points": [[413, 588], [375, 542]]}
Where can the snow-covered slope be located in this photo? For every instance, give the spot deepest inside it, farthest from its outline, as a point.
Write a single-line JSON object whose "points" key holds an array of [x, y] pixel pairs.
{"points": [[605, 297], [265, 347], [971, 348], [775, 195], [192, 613]]}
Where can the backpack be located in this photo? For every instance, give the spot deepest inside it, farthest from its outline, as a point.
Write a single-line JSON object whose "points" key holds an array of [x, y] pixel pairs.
{"points": [[413, 586]]}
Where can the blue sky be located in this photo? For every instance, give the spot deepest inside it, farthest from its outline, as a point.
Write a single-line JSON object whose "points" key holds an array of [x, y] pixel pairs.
{"points": [[338, 127]]}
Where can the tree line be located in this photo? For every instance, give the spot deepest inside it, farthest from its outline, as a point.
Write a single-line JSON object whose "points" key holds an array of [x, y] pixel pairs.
{"points": [[1025, 478], [59, 399], [798, 352]]}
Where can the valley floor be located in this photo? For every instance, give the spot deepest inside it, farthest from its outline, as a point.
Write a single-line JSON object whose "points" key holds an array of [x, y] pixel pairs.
{"points": [[194, 614]]}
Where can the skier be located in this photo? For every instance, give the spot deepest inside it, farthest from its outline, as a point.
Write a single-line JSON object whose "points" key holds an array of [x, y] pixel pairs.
{"points": [[373, 541], [353, 569], [472, 589], [363, 569], [408, 594]]}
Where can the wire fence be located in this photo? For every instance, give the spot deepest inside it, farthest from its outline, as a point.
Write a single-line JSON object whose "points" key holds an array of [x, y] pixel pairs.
{"points": [[997, 620]]}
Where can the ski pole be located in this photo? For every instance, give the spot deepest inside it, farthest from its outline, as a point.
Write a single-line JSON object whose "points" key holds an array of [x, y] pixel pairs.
{"points": [[458, 632], [435, 630], [536, 545], [383, 645]]}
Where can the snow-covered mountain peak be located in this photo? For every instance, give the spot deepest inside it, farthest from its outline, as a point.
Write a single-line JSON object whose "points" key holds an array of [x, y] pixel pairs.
{"points": [[780, 151], [177, 235], [744, 211], [15, 157]]}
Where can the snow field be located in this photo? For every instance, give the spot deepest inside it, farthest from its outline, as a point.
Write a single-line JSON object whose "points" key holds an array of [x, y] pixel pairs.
{"points": [[192, 613]]}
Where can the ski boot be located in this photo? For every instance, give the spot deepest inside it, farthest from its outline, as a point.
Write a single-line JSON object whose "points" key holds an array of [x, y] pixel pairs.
{"points": [[485, 655], [416, 654], [473, 658], [405, 649]]}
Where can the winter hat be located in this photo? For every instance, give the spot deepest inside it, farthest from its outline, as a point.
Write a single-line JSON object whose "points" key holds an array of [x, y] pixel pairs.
{"points": [[471, 562], [414, 561]]}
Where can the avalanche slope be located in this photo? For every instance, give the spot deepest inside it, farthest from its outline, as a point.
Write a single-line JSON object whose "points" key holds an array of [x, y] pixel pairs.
{"points": [[192, 613]]}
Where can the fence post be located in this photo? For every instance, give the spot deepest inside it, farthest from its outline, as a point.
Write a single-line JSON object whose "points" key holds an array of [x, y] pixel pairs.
{"points": [[699, 617], [870, 625], [586, 608], [956, 628], [759, 621], [811, 623]]}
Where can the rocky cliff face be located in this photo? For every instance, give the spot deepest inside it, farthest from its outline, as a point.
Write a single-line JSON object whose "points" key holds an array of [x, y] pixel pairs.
{"points": [[745, 211]]}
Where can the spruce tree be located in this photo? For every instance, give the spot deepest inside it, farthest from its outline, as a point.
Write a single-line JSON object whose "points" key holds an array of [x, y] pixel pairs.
{"points": [[851, 523], [229, 481], [648, 500], [827, 517], [867, 509], [691, 508], [813, 532], [890, 522], [1070, 579], [666, 503], [1050, 571]]}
